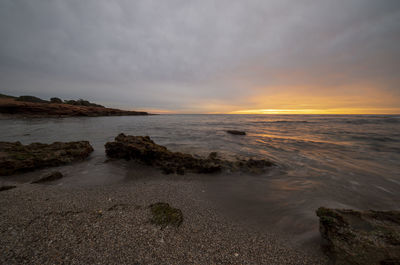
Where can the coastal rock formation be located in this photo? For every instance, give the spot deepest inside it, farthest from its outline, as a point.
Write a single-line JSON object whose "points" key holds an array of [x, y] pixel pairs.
{"points": [[11, 106], [235, 132], [353, 237], [143, 149], [17, 158], [49, 177]]}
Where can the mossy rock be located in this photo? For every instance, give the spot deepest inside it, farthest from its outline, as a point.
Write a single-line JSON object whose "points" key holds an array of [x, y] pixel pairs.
{"points": [[17, 158], [361, 237], [164, 215], [144, 150]]}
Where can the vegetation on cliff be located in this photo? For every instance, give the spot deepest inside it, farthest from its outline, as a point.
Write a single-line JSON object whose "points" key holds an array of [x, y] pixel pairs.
{"points": [[30, 106]]}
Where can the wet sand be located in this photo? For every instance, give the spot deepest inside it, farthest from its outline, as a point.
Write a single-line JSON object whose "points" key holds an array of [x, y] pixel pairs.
{"points": [[109, 224]]}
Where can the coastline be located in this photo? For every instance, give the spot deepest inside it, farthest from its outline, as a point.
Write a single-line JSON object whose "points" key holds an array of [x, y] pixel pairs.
{"points": [[44, 224], [103, 203], [9, 107]]}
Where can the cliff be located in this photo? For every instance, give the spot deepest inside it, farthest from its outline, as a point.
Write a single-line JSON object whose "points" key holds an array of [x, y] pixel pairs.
{"points": [[11, 106]]}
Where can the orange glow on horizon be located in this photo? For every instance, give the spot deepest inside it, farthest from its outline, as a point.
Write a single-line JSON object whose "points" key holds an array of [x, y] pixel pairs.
{"points": [[352, 99], [317, 111], [355, 99]]}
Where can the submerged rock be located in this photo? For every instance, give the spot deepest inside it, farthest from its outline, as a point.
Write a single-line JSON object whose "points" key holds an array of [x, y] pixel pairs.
{"points": [[143, 149], [49, 177], [3, 188], [17, 158], [235, 132], [353, 237], [164, 215]]}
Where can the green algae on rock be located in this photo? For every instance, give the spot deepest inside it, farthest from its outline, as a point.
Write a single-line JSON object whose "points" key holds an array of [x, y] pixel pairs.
{"points": [[163, 215], [17, 158], [143, 149], [354, 237]]}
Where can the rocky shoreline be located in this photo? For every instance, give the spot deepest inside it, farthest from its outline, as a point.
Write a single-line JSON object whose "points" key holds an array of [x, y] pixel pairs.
{"points": [[159, 220], [143, 149], [18, 158], [14, 108]]}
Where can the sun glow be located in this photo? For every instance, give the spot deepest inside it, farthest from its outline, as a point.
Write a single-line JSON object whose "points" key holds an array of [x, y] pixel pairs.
{"points": [[319, 111], [355, 99]]}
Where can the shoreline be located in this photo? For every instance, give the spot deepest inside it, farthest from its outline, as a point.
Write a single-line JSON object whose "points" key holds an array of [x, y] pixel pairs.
{"points": [[9, 107], [228, 206], [44, 224]]}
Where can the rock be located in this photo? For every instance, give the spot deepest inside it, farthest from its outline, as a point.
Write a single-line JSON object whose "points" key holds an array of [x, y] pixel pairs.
{"points": [[143, 149], [49, 177], [354, 237], [164, 215], [3, 188], [234, 132], [18, 158]]}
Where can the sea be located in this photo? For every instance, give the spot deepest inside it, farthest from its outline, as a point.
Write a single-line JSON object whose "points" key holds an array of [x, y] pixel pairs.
{"points": [[340, 161]]}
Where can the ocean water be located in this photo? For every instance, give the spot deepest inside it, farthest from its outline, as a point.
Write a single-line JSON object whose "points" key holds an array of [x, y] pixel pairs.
{"points": [[349, 161]]}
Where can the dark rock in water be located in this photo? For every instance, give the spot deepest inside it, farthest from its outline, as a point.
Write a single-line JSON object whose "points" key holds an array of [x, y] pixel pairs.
{"points": [[17, 158], [164, 215], [50, 177], [234, 132], [3, 188], [353, 237], [143, 149]]}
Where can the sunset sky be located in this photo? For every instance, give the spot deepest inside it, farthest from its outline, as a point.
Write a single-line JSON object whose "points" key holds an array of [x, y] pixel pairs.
{"points": [[271, 56]]}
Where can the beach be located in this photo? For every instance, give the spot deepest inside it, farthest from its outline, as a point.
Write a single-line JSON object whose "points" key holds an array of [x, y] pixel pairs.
{"points": [[98, 212], [53, 224]]}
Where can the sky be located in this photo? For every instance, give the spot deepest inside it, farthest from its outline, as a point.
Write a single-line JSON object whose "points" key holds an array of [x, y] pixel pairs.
{"points": [[225, 56]]}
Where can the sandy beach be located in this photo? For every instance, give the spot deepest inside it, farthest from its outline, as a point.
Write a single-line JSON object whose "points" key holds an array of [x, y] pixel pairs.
{"points": [[55, 224]]}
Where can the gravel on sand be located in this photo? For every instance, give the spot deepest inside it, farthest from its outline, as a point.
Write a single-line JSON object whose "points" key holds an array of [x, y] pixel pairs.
{"points": [[55, 224]]}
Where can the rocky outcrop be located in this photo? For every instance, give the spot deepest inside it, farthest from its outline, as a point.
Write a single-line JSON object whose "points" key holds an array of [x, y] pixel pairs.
{"points": [[10, 106], [18, 158], [143, 149], [353, 237], [235, 132], [49, 177]]}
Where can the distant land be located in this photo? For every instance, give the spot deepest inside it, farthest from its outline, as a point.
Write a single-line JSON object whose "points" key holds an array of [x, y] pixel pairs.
{"points": [[31, 106]]}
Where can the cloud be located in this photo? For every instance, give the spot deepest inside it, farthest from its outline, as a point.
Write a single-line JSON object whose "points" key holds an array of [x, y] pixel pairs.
{"points": [[197, 55]]}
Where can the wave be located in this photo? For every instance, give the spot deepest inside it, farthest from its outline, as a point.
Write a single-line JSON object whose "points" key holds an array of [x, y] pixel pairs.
{"points": [[373, 121], [280, 121], [375, 138]]}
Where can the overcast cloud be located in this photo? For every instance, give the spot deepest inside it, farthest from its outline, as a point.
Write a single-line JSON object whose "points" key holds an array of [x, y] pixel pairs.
{"points": [[201, 56]]}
